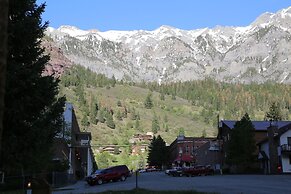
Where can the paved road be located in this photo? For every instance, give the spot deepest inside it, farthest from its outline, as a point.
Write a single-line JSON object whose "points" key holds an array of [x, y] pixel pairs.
{"points": [[224, 184]]}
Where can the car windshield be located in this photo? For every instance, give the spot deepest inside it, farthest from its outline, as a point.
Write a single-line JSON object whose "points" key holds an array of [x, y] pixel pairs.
{"points": [[98, 171]]}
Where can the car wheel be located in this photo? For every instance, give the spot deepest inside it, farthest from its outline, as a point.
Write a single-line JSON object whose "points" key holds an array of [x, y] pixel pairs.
{"points": [[99, 181], [91, 183], [122, 178]]}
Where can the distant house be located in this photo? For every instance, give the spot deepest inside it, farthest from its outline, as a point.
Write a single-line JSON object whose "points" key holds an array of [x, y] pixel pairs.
{"points": [[109, 149], [275, 150], [73, 146], [141, 138], [112, 149], [139, 149], [183, 150]]}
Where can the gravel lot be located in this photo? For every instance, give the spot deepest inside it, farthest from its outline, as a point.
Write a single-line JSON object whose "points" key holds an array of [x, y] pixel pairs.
{"points": [[224, 184]]}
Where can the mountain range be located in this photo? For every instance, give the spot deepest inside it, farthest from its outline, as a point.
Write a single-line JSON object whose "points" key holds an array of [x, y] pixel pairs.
{"points": [[258, 53]]}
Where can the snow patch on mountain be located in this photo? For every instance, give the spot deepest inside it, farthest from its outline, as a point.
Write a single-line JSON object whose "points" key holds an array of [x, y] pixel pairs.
{"points": [[257, 52]]}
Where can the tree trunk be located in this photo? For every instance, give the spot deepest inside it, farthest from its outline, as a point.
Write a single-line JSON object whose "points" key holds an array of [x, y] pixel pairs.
{"points": [[3, 60]]}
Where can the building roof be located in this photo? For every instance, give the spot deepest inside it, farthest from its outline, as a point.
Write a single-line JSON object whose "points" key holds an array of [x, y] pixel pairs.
{"points": [[258, 125], [196, 140]]}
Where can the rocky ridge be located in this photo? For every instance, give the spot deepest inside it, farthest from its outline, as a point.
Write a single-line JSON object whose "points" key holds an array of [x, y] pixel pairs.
{"points": [[259, 52]]}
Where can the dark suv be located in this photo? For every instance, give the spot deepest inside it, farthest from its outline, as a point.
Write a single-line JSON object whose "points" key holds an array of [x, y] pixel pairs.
{"points": [[114, 173]]}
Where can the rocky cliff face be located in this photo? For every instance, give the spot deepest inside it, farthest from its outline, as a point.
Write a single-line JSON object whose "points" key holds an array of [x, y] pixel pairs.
{"points": [[255, 53], [58, 62]]}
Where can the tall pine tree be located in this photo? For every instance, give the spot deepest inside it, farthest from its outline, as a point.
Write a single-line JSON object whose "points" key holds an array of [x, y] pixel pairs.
{"points": [[241, 147], [158, 152], [148, 104], [109, 120], [3, 59], [33, 111], [274, 113], [155, 124]]}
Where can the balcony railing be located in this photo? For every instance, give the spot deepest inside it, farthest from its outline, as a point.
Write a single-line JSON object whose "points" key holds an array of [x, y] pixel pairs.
{"points": [[286, 148]]}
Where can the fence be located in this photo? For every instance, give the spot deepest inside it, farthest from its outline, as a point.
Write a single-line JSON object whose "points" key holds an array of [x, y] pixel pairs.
{"points": [[41, 183]]}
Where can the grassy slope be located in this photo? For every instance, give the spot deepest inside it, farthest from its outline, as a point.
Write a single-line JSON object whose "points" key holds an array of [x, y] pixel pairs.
{"points": [[179, 114]]}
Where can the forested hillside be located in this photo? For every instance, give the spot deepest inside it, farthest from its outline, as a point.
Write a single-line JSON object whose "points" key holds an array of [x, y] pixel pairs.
{"points": [[230, 101], [114, 110]]}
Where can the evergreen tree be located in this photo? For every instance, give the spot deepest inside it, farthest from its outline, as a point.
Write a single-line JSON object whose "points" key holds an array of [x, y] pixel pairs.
{"points": [[241, 147], [118, 115], [165, 118], [181, 131], [137, 116], [94, 113], [162, 96], [109, 121], [133, 115], [155, 124], [33, 112], [119, 103], [158, 152], [173, 97], [124, 113], [274, 113], [101, 115], [137, 125], [113, 81], [148, 102], [3, 59], [85, 122]]}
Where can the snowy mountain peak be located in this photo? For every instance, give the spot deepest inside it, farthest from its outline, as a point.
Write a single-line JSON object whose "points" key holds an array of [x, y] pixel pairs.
{"points": [[257, 52], [93, 31], [263, 19], [72, 30], [286, 12], [50, 29], [165, 28]]}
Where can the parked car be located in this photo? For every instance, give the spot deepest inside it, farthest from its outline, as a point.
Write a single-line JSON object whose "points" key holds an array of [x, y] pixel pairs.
{"points": [[96, 172], [142, 170], [198, 171], [114, 173], [152, 169], [176, 171]]}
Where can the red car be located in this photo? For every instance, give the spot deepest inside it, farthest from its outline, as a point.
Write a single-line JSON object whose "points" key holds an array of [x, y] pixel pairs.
{"points": [[114, 173], [198, 171]]}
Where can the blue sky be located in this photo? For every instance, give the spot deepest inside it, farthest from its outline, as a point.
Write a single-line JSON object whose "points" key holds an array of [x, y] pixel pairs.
{"points": [[150, 14]]}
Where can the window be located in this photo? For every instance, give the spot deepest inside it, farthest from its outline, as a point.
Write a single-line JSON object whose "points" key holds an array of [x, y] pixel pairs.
{"points": [[289, 159], [289, 140], [180, 150], [187, 149], [228, 137]]}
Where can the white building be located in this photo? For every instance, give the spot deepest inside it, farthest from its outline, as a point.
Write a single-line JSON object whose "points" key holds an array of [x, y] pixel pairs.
{"points": [[275, 150]]}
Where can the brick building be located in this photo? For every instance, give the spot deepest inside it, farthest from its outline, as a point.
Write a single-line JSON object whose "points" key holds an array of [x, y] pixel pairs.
{"points": [[183, 150]]}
